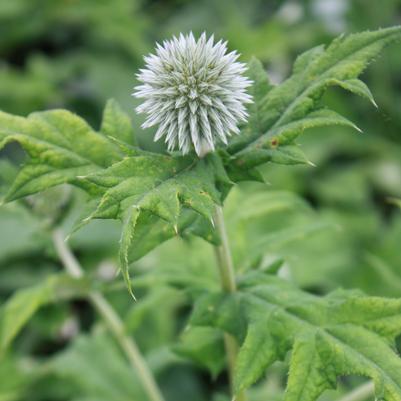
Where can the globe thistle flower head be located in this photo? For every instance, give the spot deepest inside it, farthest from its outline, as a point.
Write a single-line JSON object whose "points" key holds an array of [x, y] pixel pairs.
{"points": [[194, 91]]}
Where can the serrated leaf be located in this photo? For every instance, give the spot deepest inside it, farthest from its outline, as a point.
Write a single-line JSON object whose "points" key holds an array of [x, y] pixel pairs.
{"points": [[24, 303], [151, 231], [289, 155], [340, 334], [60, 145], [155, 196], [261, 86], [289, 108], [117, 124], [265, 148], [141, 189], [358, 87]]}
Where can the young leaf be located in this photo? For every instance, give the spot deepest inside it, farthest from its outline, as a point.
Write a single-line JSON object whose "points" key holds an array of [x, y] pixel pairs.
{"points": [[288, 109], [61, 146], [340, 334]]}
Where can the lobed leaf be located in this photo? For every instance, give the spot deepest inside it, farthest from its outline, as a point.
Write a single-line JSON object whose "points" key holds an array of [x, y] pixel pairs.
{"points": [[342, 333], [141, 189], [60, 145], [155, 196], [283, 112]]}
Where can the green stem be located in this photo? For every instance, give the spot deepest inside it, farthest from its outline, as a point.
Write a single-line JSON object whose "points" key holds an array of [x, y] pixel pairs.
{"points": [[361, 393], [111, 319], [227, 278]]}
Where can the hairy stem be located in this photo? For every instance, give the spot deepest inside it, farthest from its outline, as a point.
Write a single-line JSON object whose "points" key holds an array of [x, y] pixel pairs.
{"points": [[111, 318], [227, 278], [361, 393]]}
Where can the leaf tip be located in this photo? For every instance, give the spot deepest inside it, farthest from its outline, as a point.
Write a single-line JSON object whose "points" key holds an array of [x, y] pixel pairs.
{"points": [[357, 128], [131, 292]]}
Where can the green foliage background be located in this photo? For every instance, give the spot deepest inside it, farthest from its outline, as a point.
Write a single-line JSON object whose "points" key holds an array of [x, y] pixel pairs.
{"points": [[327, 226]]}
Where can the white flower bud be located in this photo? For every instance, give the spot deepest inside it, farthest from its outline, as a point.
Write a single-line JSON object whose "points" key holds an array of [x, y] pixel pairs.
{"points": [[194, 91]]}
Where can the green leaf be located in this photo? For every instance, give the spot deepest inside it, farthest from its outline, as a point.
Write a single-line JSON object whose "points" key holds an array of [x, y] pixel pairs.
{"points": [[117, 124], [14, 379], [290, 108], [290, 155], [24, 303], [17, 222], [8, 172], [340, 334], [60, 145], [151, 231], [155, 196], [204, 346], [264, 148], [257, 123], [290, 220], [264, 202], [142, 189], [96, 370], [356, 86]]}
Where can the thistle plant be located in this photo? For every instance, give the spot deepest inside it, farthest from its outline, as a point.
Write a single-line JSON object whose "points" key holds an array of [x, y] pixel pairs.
{"points": [[195, 92], [199, 95]]}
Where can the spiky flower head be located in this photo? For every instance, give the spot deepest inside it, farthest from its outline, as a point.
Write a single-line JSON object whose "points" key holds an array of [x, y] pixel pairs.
{"points": [[194, 91]]}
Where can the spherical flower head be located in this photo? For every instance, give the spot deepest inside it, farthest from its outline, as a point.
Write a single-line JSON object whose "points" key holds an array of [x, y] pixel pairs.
{"points": [[195, 92]]}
